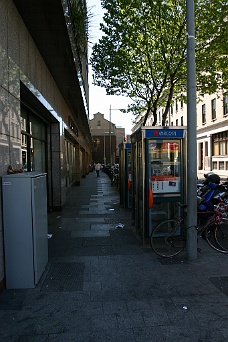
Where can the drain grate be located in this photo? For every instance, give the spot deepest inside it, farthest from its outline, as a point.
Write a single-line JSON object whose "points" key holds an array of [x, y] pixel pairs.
{"points": [[221, 283], [64, 277]]}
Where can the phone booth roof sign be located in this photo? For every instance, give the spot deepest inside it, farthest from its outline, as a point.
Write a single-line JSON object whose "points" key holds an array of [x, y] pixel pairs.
{"points": [[164, 132]]}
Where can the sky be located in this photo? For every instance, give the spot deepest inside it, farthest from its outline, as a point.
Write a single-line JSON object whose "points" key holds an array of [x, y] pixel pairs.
{"points": [[98, 100]]}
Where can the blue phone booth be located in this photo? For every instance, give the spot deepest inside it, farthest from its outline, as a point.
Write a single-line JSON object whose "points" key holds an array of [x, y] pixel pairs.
{"points": [[125, 187], [158, 175]]}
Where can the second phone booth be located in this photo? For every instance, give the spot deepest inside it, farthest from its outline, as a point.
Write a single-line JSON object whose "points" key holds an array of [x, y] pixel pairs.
{"points": [[125, 183], [158, 175]]}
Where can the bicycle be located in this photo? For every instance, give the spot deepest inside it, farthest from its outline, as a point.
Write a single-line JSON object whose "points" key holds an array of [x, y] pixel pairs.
{"points": [[216, 229], [168, 238]]}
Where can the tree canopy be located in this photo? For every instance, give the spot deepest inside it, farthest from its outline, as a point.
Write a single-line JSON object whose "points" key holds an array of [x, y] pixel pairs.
{"points": [[142, 54]]}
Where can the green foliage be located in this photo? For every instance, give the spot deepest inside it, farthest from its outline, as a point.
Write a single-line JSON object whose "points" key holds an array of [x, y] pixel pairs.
{"points": [[142, 54], [80, 18], [211, 45]]}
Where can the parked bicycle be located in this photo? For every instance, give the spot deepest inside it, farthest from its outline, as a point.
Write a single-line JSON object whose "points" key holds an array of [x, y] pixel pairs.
{"points": [[168, 238]]}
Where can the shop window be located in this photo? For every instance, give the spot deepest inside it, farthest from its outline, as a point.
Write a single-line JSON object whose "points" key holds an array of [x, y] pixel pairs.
{"points": [[222, 148], [220, 143], [33, 141], [216, 149], [71, 162]]}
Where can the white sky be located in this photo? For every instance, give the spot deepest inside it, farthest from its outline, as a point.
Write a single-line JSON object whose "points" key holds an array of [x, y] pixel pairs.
{"points": [[98, 100]]}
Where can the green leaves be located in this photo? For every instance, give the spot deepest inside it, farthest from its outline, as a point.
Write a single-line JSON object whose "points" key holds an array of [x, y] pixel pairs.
{"points": [[142, 54]]}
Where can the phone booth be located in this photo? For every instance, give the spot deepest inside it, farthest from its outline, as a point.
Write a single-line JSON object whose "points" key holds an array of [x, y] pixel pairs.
{"points": [[158, 175], [125, 187]]}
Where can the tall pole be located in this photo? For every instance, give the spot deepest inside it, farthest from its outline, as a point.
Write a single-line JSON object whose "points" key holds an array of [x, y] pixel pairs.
{"points": [[104, 151], [110, 136], [191, 136], [112, 131]]}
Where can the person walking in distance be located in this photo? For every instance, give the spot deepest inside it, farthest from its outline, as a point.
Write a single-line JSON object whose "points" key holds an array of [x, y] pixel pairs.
{"points": [[97, 168]]}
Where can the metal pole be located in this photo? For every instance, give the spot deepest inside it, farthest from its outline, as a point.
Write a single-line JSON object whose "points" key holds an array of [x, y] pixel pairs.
{"points": [[191, 136], [110, 137], [104, 150]]}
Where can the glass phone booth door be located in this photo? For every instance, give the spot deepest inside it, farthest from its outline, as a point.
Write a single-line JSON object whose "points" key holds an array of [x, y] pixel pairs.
{"points": [[164, 177], [165, 160]]}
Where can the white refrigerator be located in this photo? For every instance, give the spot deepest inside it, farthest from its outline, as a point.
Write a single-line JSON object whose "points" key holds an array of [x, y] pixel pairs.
{"points": [[25, 228]]}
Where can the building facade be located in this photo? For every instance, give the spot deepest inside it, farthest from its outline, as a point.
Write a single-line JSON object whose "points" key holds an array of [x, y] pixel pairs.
{"points": [[212, 131], [44, 124], [106, 139]]}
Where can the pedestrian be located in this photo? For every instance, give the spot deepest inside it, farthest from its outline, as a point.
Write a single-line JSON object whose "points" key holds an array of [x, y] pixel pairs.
{"points": [[97, 168]]}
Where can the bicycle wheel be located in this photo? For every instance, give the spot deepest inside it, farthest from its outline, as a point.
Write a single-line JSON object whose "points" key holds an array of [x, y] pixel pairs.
{"points": [[216, 235], [221, 235], [168, 239]]}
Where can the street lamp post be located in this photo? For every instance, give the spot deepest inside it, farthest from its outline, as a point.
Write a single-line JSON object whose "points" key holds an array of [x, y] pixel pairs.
{"points": [[104, 144], [104, 151], [110, 136]]}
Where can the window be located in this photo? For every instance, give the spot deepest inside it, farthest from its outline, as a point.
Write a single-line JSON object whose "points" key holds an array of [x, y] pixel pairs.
{"points": [[33, 141], [213, 109], [182, 104], [98, 123], [71, 160], [214, 165], [221, 165], [171, 110], [206, 148], [225, 105], [220, 144], [177, 122], [176, 106], [203, 114]]}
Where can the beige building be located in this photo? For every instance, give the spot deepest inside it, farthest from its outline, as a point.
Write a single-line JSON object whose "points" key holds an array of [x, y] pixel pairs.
{"points": [[212, 131], [106, 139]]}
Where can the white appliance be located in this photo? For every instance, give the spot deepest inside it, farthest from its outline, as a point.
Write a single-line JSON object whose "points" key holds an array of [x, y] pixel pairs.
{"points": [[25, 227]]}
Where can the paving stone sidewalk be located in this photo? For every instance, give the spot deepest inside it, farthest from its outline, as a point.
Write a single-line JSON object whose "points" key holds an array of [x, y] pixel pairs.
{"points": [[100, 284]]}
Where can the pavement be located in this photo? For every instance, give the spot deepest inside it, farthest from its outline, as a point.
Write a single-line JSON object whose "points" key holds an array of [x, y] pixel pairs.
{"points": [[101, 284]]}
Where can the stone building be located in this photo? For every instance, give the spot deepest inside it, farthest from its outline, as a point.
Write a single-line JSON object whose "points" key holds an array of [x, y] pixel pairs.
{"points": [[106, 139]]}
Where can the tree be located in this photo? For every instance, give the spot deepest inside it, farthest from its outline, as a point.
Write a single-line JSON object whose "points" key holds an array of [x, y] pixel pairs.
{"points": [[211, 46], [142, 54]]}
